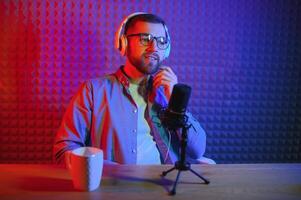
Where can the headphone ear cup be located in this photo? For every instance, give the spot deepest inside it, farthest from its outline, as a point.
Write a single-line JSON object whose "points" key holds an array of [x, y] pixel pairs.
{"points": [[167, 51], [123, 45]]}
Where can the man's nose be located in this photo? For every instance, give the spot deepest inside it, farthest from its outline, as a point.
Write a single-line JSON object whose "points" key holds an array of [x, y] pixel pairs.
{"points": [[153, 45]]}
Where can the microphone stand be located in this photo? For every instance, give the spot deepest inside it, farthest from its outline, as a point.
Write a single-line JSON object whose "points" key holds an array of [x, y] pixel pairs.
{"points": [[182, 165]]}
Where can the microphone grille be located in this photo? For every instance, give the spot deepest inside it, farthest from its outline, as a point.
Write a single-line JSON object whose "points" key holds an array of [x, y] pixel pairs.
{"points": [[179, 98]]}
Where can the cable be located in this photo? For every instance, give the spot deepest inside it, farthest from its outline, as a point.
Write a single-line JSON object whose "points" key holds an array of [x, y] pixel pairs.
{"points": [[168, 148]]}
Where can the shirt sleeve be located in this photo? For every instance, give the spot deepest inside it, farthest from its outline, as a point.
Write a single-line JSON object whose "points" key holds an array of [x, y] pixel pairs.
{"points": [[75, 126], [196, 139]]}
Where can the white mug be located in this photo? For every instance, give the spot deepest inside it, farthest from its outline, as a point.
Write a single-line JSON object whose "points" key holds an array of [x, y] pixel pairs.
{"points": [[85, 165]]}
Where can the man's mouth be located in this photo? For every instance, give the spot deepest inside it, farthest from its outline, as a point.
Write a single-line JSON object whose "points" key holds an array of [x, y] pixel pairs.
{"points": [[153, 56]]}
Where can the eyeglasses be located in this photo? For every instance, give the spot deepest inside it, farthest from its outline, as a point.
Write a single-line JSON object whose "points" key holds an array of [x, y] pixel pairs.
{"points": [[146, 39]]}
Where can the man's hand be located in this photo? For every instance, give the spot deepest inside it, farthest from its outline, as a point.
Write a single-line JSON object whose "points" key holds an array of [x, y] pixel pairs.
{"points": [[166, 78]]}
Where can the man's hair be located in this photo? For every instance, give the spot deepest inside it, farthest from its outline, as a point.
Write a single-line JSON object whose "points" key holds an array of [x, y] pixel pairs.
{"points": [[151, 18]]}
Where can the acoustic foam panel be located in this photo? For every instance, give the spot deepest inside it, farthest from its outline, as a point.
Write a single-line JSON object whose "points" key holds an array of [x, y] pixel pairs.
{"points": [[241, 57]]}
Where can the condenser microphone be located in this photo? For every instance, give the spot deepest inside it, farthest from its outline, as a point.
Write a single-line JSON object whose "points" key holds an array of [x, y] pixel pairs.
{"points": [[174, 116], [179, 98]]}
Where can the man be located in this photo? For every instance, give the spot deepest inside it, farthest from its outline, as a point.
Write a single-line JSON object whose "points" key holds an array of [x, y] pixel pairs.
{"points": [[118, 113]]}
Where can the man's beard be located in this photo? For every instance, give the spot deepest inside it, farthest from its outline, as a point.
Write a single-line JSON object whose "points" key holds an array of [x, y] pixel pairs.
{"points": [[147, 65]]}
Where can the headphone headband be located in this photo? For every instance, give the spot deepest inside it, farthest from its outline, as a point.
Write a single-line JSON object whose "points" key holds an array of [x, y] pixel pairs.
{"points": [[120, 29]]}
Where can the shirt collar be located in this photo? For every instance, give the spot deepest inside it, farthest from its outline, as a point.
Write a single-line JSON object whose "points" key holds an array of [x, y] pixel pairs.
{"points": [[122, 78]]}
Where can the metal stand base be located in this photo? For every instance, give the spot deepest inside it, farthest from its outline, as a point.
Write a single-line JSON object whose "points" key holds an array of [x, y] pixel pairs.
{"points": [[182, 167]]}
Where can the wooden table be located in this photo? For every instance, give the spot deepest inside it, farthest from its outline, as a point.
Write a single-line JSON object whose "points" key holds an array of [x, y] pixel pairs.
{"points": [[239, 181]]}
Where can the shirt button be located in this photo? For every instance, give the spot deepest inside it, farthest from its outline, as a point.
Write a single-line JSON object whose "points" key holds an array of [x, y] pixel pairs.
{"points": [[133, 151], [135, 111], [134, 131]]}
